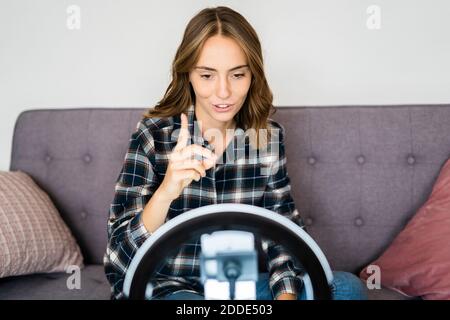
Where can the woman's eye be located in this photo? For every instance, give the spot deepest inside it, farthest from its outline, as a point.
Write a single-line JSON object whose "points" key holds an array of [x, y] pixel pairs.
{"points": [[208, 76]]}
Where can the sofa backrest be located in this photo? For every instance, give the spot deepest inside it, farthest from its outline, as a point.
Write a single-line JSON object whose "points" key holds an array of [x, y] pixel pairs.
{"points": [[358, 173]]}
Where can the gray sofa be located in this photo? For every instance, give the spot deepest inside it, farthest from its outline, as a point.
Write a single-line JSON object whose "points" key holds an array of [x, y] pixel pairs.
{"points": [[358, 174]]}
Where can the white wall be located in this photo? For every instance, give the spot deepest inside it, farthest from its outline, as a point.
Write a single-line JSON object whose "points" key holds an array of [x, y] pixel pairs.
{"points": [[317, 53]]}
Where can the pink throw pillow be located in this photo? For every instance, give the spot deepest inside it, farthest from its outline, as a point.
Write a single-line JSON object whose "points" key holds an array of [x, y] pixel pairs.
{"points": [[33, 236], [417, 263]]}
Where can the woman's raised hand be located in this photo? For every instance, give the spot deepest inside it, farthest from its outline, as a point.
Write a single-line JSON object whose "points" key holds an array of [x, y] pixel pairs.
{"points": [[183, 167]]}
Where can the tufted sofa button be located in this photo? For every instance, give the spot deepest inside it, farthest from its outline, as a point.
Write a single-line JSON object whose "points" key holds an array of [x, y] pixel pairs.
{"points": [[411, 160], [309, 221], [83, 214], [361, 159], [359, 222], [311, 160], [87, 158], [48, 158]]}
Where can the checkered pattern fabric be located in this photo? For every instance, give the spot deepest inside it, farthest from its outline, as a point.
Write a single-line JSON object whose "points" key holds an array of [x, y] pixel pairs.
{"points": [[241, 177]]}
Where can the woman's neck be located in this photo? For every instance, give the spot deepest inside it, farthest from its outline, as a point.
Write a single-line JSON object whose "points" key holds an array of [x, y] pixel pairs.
{"points": [[222, 127]]}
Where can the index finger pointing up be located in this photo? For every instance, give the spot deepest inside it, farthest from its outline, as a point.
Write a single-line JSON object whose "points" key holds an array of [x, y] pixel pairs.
{"points": [[183, 137]]}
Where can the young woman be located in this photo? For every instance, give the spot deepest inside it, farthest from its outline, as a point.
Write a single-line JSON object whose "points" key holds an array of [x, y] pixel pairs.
{"points": [[178, 160]]}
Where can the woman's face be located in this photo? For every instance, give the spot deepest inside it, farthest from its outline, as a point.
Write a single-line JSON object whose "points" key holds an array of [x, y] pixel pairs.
{"points": [[221, 80]]}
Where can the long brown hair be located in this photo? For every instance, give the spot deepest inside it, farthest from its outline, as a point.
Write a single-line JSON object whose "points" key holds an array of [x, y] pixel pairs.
{"points": [[209, 22]]}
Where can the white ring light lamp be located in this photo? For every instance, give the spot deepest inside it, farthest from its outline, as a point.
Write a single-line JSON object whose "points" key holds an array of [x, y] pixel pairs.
{"points": [[229, 216]]}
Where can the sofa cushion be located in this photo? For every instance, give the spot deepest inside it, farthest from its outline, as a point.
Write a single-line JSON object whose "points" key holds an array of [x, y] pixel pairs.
{"points": [[418, 261], [387, 294], [33, 236], [94, 286], [51, 286]]}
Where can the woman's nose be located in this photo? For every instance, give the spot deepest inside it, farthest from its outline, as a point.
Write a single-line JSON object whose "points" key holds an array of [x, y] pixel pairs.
{"points": [[223, 89]]}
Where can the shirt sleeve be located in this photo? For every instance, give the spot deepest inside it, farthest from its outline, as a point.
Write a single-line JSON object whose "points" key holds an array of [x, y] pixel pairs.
{"points": [[277, 197], [134, 187]]}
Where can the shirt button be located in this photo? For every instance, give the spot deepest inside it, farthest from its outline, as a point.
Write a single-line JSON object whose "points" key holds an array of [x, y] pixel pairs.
{"points": [[311, 160], [83, 214], [48, 158], [411, 160], [87, 158]]}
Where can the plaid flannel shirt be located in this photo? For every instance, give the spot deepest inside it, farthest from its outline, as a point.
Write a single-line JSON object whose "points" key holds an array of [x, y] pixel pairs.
{"points": [[263, 182]]}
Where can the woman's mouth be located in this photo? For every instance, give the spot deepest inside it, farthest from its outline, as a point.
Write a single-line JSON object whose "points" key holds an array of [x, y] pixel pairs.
{"points": [[222, 107]]}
